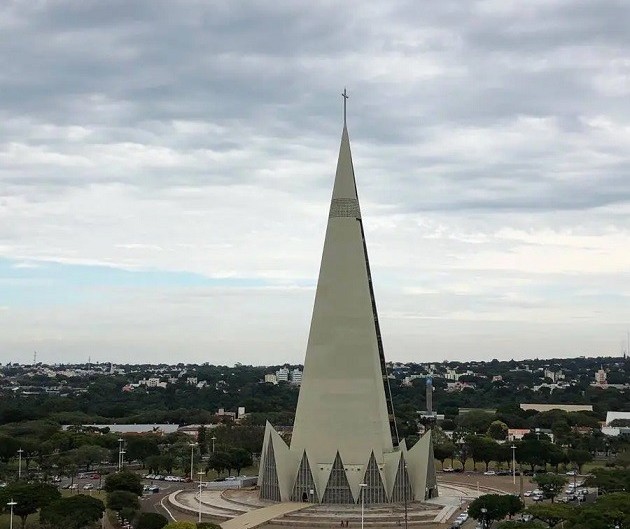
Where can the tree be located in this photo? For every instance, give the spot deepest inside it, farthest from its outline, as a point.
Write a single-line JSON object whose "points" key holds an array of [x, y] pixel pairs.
{"points": [[180, 525], [556, 456], [124, 480], [75, 512], [623, 459], [202, 439], [442, 452], [151, 520], [141, 447], [8, 448], [483, 449], [88, 455], [609, 510], [476, 421], [550, 484], [513, 504], [219, 461], [29, 497], [239, 458], [118, 500], [609, 480], [531, 452], [552, 515], [511, 524], [497, 430], [494, 504], [579, 457]]}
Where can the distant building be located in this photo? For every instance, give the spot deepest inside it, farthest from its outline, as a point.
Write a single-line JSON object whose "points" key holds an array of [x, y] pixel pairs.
{"points": [[600, 377], [616, 416], [159, 429], [296, 376], [271, 378], [563, 407], [452, 387], [192, 381], [282, 375]]}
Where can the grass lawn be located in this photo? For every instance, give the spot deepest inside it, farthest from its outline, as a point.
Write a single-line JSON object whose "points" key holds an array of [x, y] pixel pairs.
{"points": [[32, 522]]}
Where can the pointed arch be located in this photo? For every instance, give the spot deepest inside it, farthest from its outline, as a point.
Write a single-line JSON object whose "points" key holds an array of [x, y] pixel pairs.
{"points": [[375, 491], [270, 488], [402, 491], [304, 488], [338, 488]]}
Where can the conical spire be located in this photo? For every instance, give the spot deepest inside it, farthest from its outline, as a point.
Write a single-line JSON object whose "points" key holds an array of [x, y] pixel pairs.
{"points": [[344, 405]]}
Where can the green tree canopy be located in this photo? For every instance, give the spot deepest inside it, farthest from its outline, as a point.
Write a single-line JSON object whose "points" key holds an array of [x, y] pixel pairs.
{"points": [[240, 458], [495, 505], [550, 484], [75, 512], [609, 480], [497, 430], [181, 525], [29, 497], [124, 480], [579, 457], [118, 500], [151, 520], [551, 514], [140, 447]]}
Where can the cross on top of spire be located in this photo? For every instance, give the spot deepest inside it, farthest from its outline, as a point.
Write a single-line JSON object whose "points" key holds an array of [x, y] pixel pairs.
{"points": [[345, 96]]}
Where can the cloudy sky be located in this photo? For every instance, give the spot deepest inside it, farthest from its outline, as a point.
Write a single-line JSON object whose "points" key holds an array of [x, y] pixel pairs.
{"points": [[166, 168]]}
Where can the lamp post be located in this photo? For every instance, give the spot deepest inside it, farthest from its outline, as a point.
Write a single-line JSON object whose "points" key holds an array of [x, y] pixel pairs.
{"points": [[405, 493], [122, 459], [120, 445], [201, 473], [192, 455], [20, 452], [362, 486], [483, 517], [513, 447], [213, 440], [11, 504]]}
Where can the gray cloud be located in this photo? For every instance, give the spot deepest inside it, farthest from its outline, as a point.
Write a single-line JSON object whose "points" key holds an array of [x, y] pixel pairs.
{"points": [[490, 137]]}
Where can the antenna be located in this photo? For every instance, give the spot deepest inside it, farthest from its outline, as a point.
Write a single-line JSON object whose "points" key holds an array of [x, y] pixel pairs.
{"points": [[34, 357]]}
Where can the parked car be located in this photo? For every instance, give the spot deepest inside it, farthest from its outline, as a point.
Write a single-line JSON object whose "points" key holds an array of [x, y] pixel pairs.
{"points": [[489, 473], [527, 493], [448, 469], [88, 486]]}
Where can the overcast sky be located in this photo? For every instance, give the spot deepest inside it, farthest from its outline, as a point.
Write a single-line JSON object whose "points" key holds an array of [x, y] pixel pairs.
{"points": [[166, 169]]}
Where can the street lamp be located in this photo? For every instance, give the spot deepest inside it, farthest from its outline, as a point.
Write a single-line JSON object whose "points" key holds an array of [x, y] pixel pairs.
{"points": [[405, 493], [20, 452], [213, 440], [120, 445], [513, 447], [11, 504], [122, 459], [483, 517], [192, 455], [201, 473], [362, 489]]}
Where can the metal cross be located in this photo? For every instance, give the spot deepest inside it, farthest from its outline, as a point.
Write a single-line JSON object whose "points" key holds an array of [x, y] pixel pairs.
{"points": [[345, 96]]}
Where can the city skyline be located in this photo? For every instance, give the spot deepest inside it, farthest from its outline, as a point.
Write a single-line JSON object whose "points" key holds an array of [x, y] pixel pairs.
{"points": [[165, 169]]}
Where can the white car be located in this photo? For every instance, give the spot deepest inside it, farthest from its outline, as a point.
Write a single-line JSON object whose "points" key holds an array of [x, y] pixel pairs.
{"points": [[88, 486], [527, 493], [572, 473], [489, 473]]}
